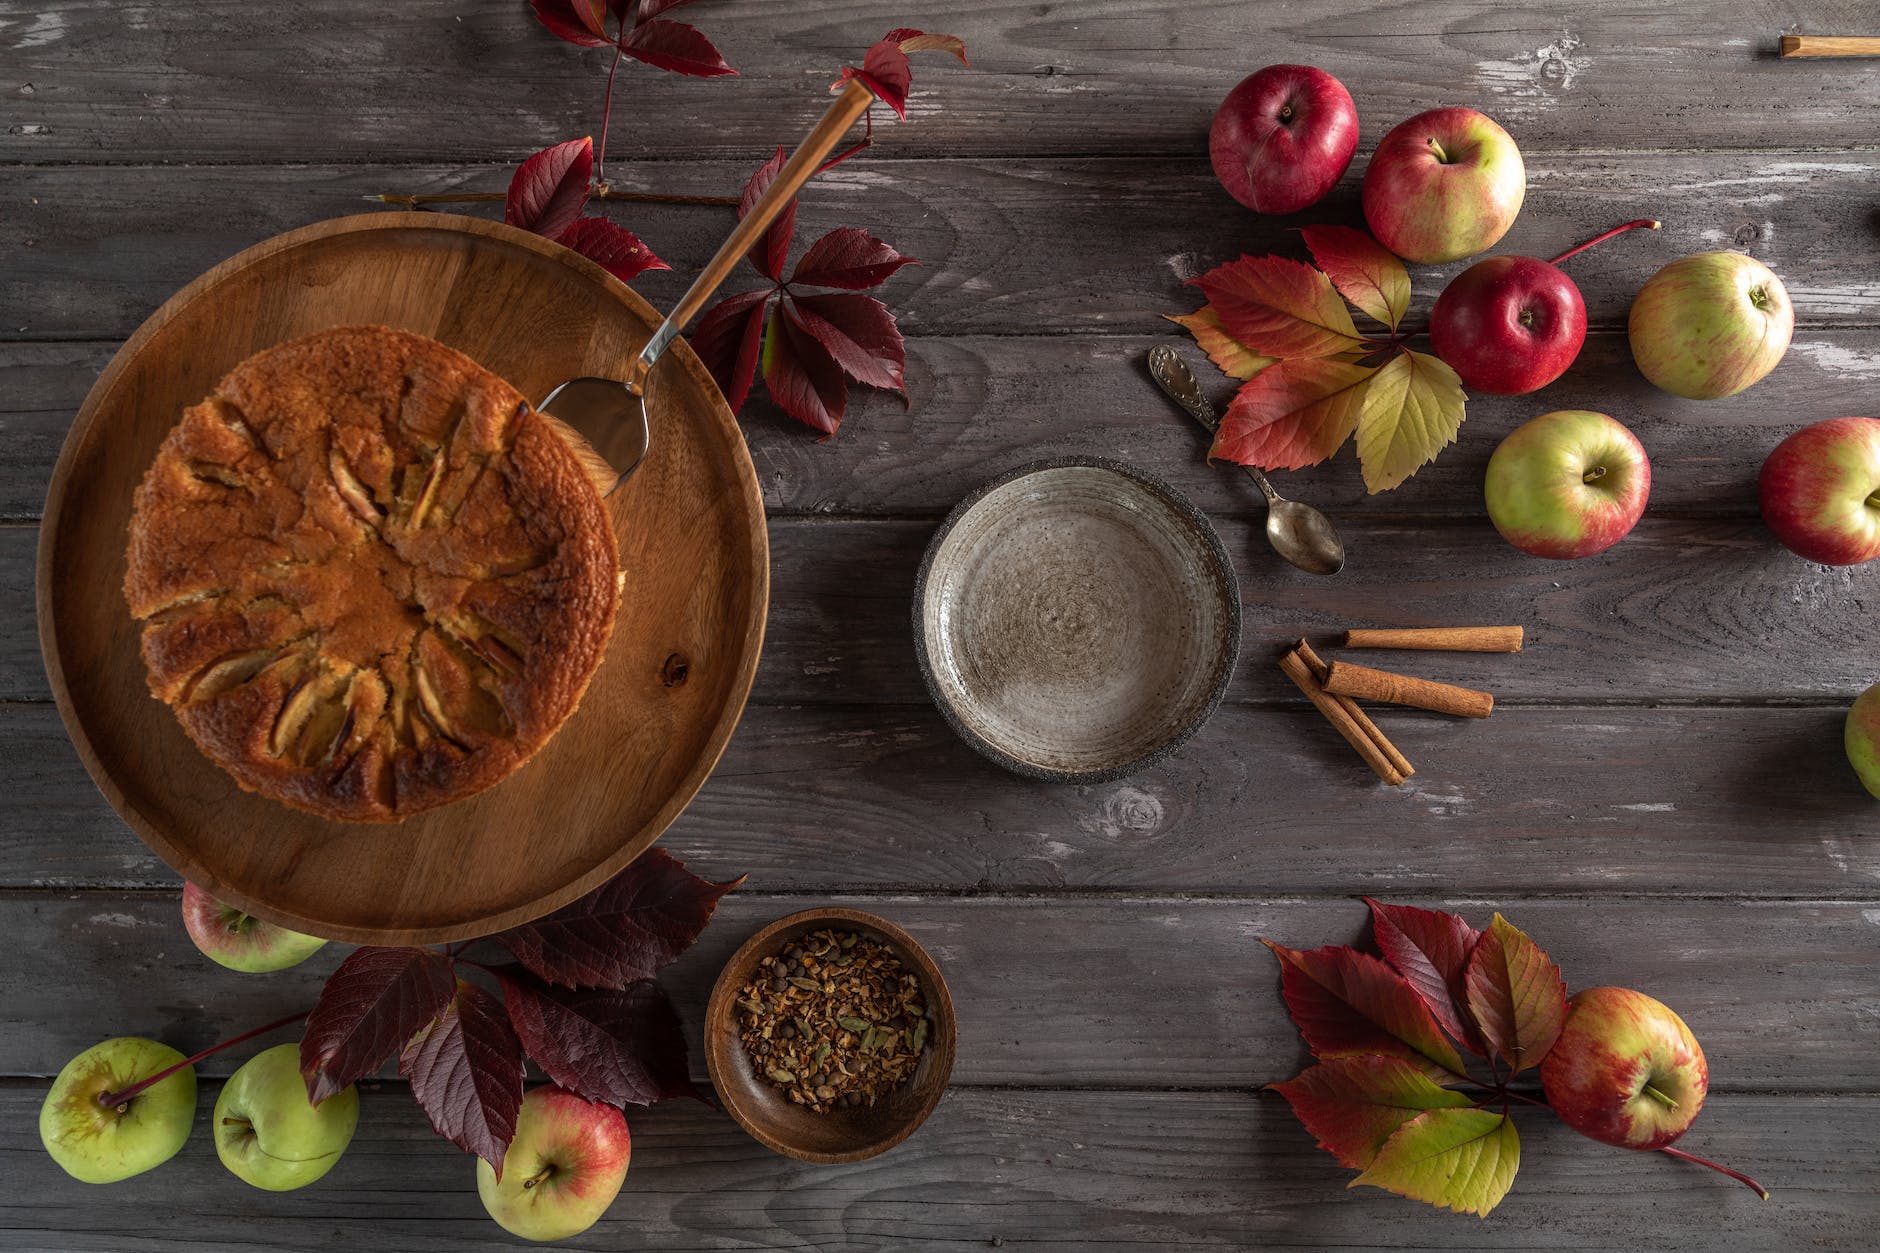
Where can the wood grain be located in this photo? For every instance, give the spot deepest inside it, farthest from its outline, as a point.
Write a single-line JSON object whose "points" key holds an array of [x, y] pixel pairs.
{"points": [[1110, 991], [980, 402], [1705, 802], [621, 768], [1049, 1171], [203, 82], [990, 233]]}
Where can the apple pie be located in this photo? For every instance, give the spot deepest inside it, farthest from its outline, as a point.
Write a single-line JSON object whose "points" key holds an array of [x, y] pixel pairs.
{"points": [[372, 579]]}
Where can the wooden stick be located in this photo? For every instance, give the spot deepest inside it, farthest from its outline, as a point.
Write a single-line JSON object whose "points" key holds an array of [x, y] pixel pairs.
{"points": [[1319, 670], [1364, 683], [1830, 46], [1484, 639], [1296, 669]]}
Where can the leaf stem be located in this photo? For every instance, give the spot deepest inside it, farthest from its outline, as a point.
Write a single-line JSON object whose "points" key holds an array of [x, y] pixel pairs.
{"points": [[607, 111], [138, 1088], [598, 193], [1649, 224], [859, 146], [1737, 1175]]}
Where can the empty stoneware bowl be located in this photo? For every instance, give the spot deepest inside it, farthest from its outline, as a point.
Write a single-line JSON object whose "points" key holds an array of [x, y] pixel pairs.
{"points": [[1076, 619], [841, 1134]]}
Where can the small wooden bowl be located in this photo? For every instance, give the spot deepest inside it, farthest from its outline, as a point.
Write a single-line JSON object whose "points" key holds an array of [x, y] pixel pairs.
{"points": [[841, 1135]]}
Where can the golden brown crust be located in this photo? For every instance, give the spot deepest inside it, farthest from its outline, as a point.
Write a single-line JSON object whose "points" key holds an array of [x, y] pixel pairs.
{"points": [[372, 579]]}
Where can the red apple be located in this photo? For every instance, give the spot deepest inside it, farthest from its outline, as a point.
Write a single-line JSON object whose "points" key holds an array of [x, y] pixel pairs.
{"points": [[1710, 325], [1444, 185], [1861, 738], [1511, 325], [563, 1169], [1821, 491], [1568, 484], [1283, 137], [1626, 1070]]}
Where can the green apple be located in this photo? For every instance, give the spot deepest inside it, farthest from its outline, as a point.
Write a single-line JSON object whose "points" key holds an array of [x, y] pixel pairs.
{"points": [[104, 1143], [1710, 325], [241, 941], [1568, 484], [563, 1169], [1862, 737], [269, 1134]]}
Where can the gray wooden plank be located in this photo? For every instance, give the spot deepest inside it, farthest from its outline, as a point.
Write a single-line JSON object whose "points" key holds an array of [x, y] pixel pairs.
{"points": [[354, 79], [1699, 610], [1043, 1170], [1007, 245], [983, 401], [1671, 801], [1112, 991]]}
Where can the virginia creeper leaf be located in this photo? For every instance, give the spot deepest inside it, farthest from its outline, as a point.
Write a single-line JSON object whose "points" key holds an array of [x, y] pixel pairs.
{"points": [[623, 1047], [1516, 995], [1365, 272], [848, 258], [548, 192], [885, 69], [1280, 308], [377, 999], [1353, 1104], [1292, 414], [649, 9], [1411, 411], [466, 1073], [801, 375], [1459, 1159], [1233, 357], [674, 46], [768, 254], [577, 21], [729, 339], [615, 248], [1348, 1003], [1430, 949], [626, 930], [859, 333]]}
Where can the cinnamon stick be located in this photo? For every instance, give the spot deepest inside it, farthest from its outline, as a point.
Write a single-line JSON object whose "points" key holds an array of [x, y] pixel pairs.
{"points": [[1319, 670], [1830, 46], [1296, 669], [1364, 683], [1480, 639]]}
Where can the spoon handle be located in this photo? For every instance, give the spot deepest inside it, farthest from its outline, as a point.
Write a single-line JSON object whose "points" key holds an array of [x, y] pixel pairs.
{"points": [[851, 104], [1177, 381]]}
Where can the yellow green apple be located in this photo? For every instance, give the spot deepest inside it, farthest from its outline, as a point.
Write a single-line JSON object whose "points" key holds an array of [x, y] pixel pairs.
{"points": [[1444, 185], [1710, 325], [1567, 484], [239, 940], [1625, 1070], [563, 1169], [266, 1131], [99, 1143], [1862, 738]]}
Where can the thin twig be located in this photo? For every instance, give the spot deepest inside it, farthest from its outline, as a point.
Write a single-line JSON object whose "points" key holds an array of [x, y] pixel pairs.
{"points": [[118, 1098], [607, 115]]}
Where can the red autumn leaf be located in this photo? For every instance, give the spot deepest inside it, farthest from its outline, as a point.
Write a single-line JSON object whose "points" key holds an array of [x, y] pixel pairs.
{"points": [[624, 931], [1348, 1003], [801, 375], [674, 46], [615, 248], [466, 1073], [1430, 949], [623, 1047], [1516, 995], [850, 259], [859, 333], [885, 69], [649, 9], [1280, 308], [1352, 1105], [729, 340], [377, 999], [1365, 272], [548, 192], [1292, 414], [577, 21], [768, 254]]}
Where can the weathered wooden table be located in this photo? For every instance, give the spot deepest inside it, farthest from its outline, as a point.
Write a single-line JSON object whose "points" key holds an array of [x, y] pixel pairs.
{"points": [[1661, 798]]}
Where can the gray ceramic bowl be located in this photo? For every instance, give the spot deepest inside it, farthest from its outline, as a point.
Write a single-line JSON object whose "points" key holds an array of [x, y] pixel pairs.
{"points": [[1076, 619]]}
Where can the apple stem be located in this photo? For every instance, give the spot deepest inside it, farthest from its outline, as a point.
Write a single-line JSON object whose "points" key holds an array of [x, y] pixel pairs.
{"points": [[1649, 224], [1593, 475], [1660, 1097], [1737, 1175], [538, 1177], [137, 1089], [1438, 150]]}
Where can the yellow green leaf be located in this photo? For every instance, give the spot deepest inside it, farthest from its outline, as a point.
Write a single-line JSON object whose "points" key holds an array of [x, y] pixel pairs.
{"points": [[1411, 411], [1459, 1159], [1233, 357]]}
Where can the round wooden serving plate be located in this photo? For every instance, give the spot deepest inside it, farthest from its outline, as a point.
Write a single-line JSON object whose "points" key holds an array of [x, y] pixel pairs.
{"points": [[660, 708]]}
